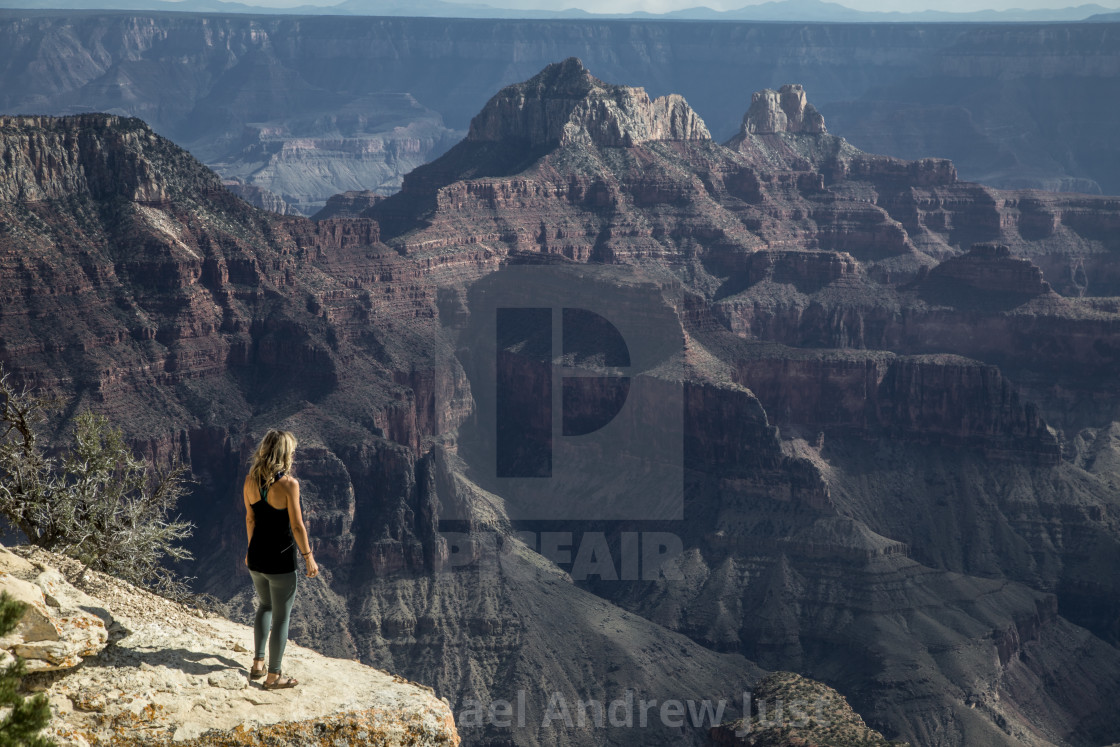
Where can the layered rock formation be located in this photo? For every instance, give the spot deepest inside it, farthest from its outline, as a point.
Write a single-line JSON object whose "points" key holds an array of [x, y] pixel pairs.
{"points": [[171, 674], [565, 103], [201, 313], [893, 281], [259, 196], [305, 157], [348, 204], [784, 110], [891, 479]]}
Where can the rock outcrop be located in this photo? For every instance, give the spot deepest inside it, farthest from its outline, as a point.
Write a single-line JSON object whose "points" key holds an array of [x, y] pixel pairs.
{"points": [[784, 110], [348, 205], [56, 630], [565, 102], [259, 196], [928, 399], [990, 269], [175, 675], [788, 710], [97, 156], [783, 131]]}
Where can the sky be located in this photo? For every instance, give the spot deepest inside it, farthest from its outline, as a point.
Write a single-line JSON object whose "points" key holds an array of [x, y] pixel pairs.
{"points": [[661, 6], [952, 5]]}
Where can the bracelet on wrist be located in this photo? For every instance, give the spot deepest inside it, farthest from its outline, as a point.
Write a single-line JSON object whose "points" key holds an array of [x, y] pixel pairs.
{"points": [[305, 554]]}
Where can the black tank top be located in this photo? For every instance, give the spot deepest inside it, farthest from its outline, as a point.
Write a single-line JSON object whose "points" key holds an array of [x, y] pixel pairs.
{"points": [[272, 548]]}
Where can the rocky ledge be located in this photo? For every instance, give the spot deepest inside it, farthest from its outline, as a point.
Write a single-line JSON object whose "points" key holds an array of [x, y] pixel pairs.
{"points": [[149, 671], [788, 710]]}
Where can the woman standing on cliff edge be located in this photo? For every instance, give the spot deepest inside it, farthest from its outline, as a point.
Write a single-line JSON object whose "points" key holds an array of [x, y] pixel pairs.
{"points": [[274, 522]]}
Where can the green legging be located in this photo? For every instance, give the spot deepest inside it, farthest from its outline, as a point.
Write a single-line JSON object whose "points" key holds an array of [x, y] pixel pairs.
{"points": [[275, 594]]}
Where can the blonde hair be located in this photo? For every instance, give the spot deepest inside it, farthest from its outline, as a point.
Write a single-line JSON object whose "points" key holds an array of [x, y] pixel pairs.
{"points": [[274, 454]]}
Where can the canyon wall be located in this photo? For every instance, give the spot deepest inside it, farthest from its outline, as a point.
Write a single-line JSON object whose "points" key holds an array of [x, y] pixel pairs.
{"points": [[895, 450]]}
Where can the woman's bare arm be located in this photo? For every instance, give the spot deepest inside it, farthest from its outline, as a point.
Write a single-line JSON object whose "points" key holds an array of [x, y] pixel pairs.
{"points": [[299, 530], [250, 519]]}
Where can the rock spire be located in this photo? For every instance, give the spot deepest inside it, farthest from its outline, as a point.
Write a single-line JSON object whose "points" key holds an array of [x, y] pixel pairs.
{"points": [[784, 110]]}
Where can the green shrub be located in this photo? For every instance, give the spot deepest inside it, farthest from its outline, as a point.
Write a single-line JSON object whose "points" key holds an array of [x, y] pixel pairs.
{"points": [[20, 728], [98, 502]]}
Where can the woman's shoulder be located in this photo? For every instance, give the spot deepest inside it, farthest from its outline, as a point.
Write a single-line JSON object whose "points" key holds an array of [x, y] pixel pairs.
{"points": [[287, 481]]}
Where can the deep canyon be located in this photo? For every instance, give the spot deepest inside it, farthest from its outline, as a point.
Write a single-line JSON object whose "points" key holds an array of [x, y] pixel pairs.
{"points": [[897, 451]]}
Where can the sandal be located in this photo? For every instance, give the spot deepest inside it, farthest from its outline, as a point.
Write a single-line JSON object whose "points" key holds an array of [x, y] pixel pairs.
{"points": [[256, 674], [281, 683]]}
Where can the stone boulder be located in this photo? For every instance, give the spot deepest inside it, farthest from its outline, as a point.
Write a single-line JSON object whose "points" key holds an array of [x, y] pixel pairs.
{"points": [[59, 626]]}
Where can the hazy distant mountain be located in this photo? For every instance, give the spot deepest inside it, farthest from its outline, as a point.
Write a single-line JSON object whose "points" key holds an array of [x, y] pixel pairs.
{"points": [[393, 8], [1015, 106], [777, 10], [821, 11]]}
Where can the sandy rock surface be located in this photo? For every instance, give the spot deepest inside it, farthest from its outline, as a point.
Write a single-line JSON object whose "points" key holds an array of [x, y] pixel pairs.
{"points": [[173, 674], [57, 629]]}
